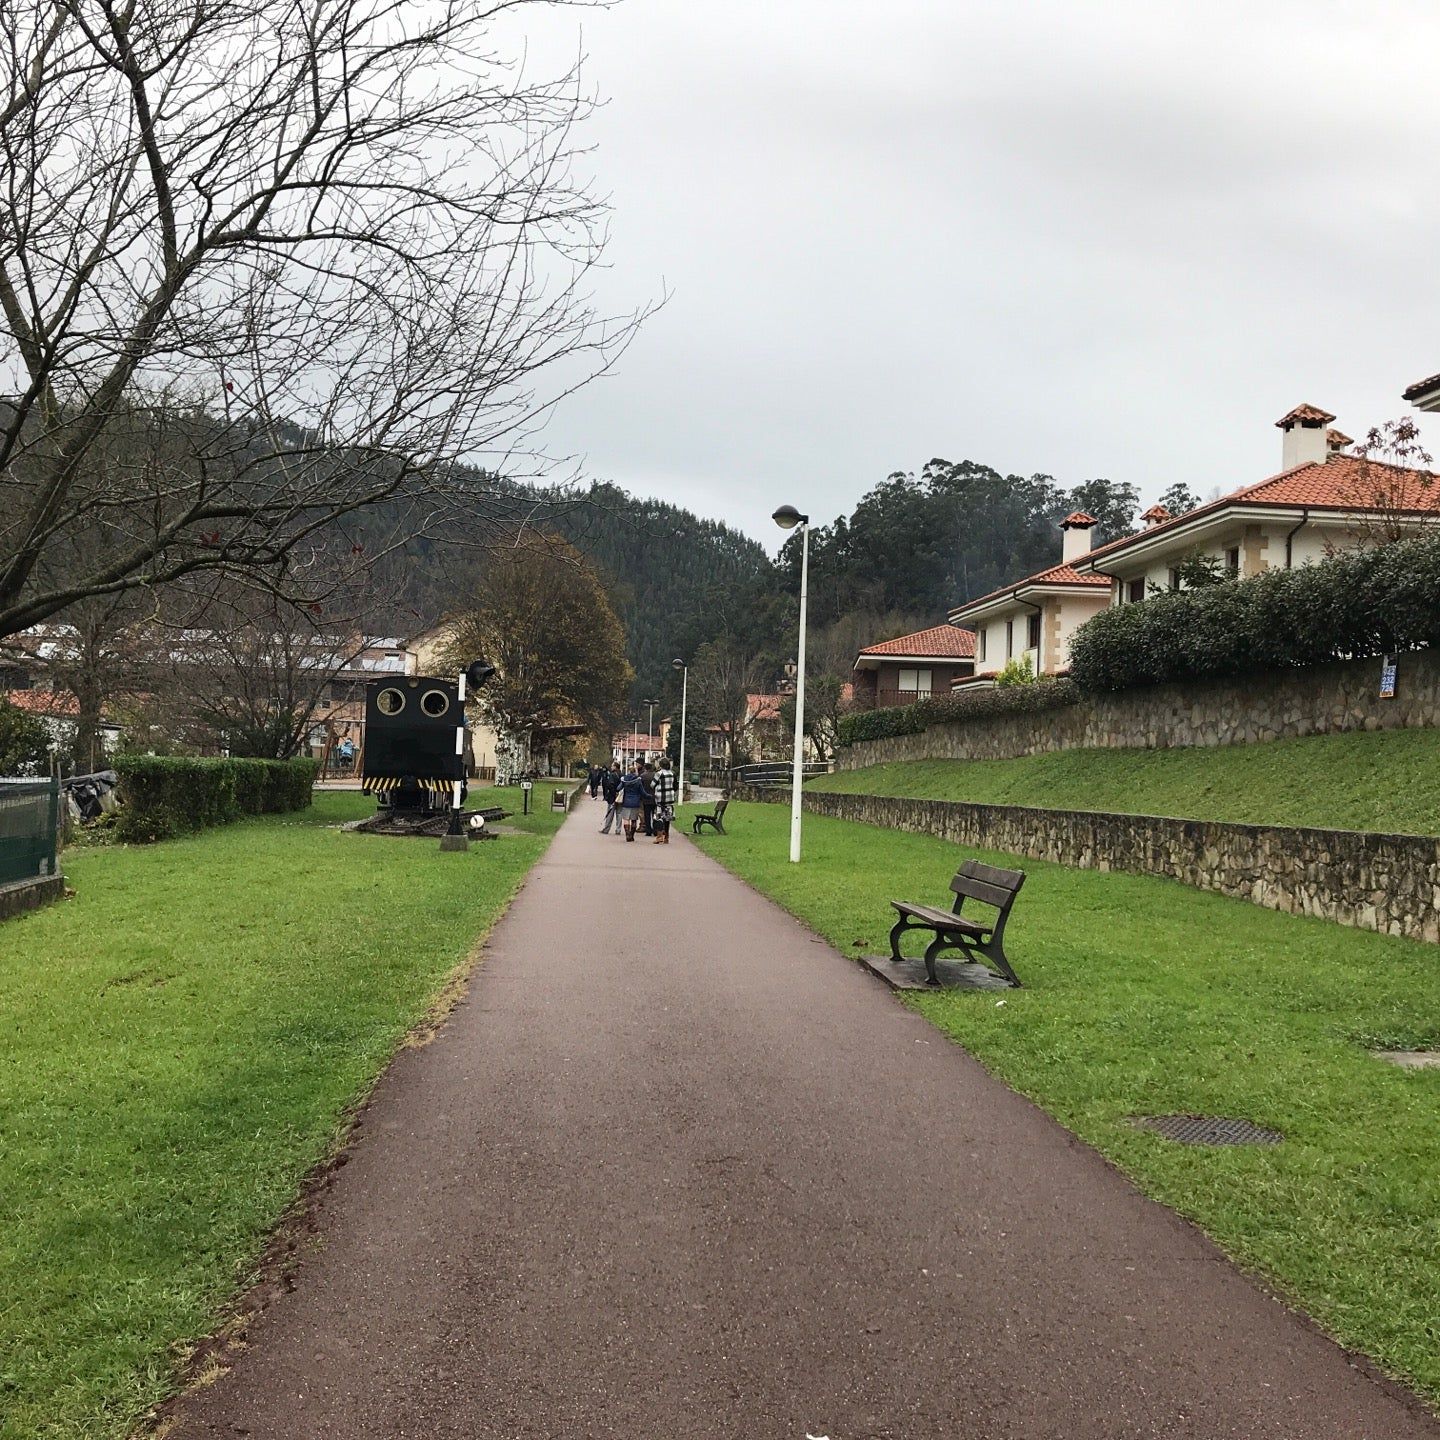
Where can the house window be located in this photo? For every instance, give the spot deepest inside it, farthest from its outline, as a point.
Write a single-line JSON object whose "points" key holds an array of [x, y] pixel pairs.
{"points": [[1135, 590], [980, 643], [1232, 559], [1032, 632], [914, 680], [1009, 639], [1173, 578]]}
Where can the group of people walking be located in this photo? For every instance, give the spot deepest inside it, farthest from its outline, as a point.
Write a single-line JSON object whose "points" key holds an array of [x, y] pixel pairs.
{"points": [[639, 798]]}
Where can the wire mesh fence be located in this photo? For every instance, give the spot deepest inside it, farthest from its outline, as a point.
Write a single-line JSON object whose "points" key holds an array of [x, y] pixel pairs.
{"points": [[29, 830]]}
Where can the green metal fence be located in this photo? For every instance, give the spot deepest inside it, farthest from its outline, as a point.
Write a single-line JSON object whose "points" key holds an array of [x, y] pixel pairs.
{"points": [[29, 830]]}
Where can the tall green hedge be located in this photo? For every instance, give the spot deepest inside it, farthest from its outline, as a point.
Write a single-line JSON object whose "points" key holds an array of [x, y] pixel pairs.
{"points": [[166, 795], [1375, 601], [966, 705]]}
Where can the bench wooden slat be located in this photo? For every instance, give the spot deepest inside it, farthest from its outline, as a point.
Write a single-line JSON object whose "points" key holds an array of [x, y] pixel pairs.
{"points": [[993, 875], [941, 919], [995, 895]]}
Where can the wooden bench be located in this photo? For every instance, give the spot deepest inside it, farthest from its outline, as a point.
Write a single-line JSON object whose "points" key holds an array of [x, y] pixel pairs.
{"points": [[716, 820], [954, 931]]}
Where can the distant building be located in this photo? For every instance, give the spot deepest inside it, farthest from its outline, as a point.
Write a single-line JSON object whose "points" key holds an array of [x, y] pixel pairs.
{"points": [[913, 667], [1033, 619]]}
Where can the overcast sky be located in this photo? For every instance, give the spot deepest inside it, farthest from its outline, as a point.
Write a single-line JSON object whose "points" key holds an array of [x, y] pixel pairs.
{"points": [[1082, 238]]}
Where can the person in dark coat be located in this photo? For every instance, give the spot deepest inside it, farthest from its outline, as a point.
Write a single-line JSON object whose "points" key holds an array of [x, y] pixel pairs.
{"points": [[610, 789], [632, 795], [647, 798]]}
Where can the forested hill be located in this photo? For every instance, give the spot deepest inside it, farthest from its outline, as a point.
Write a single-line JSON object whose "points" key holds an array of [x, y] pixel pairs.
{"points": [[913, 547], [677, 580]]}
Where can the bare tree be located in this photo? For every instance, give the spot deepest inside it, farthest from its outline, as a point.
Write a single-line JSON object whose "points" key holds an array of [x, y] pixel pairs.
{"points": [[1391, 491], [723, 676], [268, 264], [236, 667]]}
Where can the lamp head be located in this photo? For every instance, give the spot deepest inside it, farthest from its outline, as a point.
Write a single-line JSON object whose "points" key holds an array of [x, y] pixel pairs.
{"points": [[678, 664], [787, 517], [477, 672]]}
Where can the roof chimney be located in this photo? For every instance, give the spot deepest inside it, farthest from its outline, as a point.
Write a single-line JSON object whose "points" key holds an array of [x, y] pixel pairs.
{"points": [[1156, 515], [1306, 441], [1076, 525]]}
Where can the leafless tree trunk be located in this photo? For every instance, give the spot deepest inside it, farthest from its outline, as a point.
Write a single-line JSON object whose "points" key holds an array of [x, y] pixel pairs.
{"points": [[266, 264], [723, 676], [242, 669]]}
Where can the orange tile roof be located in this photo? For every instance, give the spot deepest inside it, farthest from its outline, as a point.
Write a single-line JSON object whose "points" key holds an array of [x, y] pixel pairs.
{"points": [[1303, 414], [946, 640], [1156, 513], [1345, 483], [1078, 518], [45, 702], [1055, 575]]}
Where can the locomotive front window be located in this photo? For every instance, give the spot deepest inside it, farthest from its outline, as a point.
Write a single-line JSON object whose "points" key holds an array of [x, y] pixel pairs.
{"points": [[390, 702], [434, 703]]}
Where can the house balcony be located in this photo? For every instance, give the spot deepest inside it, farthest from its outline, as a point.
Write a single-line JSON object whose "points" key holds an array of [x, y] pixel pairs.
{"points": [[887, 699]]}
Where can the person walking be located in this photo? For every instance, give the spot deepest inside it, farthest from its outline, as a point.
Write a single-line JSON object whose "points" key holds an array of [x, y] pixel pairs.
{"points": [[610, 789], [594, 772], [647, 798], [632, 795], [667, 788]]}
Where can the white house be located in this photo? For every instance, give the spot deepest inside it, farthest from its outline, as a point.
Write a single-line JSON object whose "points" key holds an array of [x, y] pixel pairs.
{"points": [[1322, 500], [1034, 619]]}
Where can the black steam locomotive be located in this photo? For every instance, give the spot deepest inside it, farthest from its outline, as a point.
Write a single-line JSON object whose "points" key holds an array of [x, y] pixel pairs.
{"points": [[415, 740]]}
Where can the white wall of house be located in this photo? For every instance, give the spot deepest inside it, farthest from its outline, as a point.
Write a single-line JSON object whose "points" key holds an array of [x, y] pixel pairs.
{"points": [[1074, 612], [1257, 545]]}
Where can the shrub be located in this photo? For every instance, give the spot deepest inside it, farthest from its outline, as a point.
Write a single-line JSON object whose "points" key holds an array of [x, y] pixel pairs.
{"points": [[1364, 602], [1018, 671], [967, 705], [24, 742], [162, 795]]}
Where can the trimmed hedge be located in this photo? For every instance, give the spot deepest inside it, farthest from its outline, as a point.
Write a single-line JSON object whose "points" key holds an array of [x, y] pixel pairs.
{"points": [[1378, 601], [967, 705], [163, 796]]}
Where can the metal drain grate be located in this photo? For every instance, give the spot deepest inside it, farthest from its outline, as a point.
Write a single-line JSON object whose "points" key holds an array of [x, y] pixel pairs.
{"points": [[1207, 1130]]}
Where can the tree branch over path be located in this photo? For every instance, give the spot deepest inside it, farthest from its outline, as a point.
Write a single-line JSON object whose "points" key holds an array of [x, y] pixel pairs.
{"points": [[307, 256]]}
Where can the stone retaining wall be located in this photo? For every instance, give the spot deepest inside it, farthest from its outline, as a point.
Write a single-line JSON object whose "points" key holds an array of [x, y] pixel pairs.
{"points": [[1322, 700], [1389, 883]]}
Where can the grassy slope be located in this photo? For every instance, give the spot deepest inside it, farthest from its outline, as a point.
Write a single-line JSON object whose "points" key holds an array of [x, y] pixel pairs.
{"points": [[1145, 997], [1383, 781], [178, 1045]]}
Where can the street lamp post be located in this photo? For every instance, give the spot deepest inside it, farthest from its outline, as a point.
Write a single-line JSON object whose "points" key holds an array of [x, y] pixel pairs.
{"points": [[684, 670], [787, 517], [649, 725]]}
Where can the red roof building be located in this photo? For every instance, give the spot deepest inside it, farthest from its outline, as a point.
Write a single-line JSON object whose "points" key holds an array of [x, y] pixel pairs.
{"points": [[1322, 500], [913, 667]]}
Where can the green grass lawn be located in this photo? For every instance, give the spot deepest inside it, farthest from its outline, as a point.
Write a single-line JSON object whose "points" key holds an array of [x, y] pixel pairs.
{"points": [[1389, 780], [1146, 997], [179, 1045]]}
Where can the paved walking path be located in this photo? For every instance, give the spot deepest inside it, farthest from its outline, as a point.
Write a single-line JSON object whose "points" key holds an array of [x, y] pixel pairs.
{"points": [[676, 1169]]}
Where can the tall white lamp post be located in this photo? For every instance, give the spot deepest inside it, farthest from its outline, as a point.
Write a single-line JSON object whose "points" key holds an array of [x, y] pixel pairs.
{"points": [[649, 726], [684, 670], [787, 517]]}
